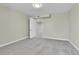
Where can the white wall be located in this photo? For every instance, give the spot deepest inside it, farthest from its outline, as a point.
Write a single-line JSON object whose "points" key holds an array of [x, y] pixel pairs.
{"points": [[74, 25], [58, 28], [13, 25]]}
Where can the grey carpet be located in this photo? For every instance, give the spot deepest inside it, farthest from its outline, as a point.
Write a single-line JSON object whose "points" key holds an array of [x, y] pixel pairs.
{"points": [[39, 47]]}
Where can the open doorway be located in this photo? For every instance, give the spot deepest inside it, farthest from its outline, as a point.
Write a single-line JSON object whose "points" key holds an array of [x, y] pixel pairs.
{"points": [[36, 28]]}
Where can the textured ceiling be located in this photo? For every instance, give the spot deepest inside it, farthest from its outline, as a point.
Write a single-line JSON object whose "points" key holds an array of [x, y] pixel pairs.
{"points": [[47, 8]]}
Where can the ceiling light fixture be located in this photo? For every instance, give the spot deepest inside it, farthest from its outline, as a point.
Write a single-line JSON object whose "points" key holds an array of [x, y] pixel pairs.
{"points": [[37, 5]]}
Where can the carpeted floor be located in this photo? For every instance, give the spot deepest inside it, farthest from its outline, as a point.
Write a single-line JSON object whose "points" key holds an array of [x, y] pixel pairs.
{"points": [[39, 47]]}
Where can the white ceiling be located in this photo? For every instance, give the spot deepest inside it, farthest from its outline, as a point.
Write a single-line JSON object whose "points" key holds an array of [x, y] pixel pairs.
{"points": [[47, 8]]}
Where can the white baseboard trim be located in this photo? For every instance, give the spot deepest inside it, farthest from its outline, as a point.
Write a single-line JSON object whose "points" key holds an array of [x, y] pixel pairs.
{"points": [[64, 40], [43, 37], [55, 38], [75, 46], [13, 41]]}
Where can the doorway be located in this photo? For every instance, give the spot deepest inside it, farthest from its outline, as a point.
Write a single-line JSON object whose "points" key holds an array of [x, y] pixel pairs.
{"points": [[36, 28]]}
